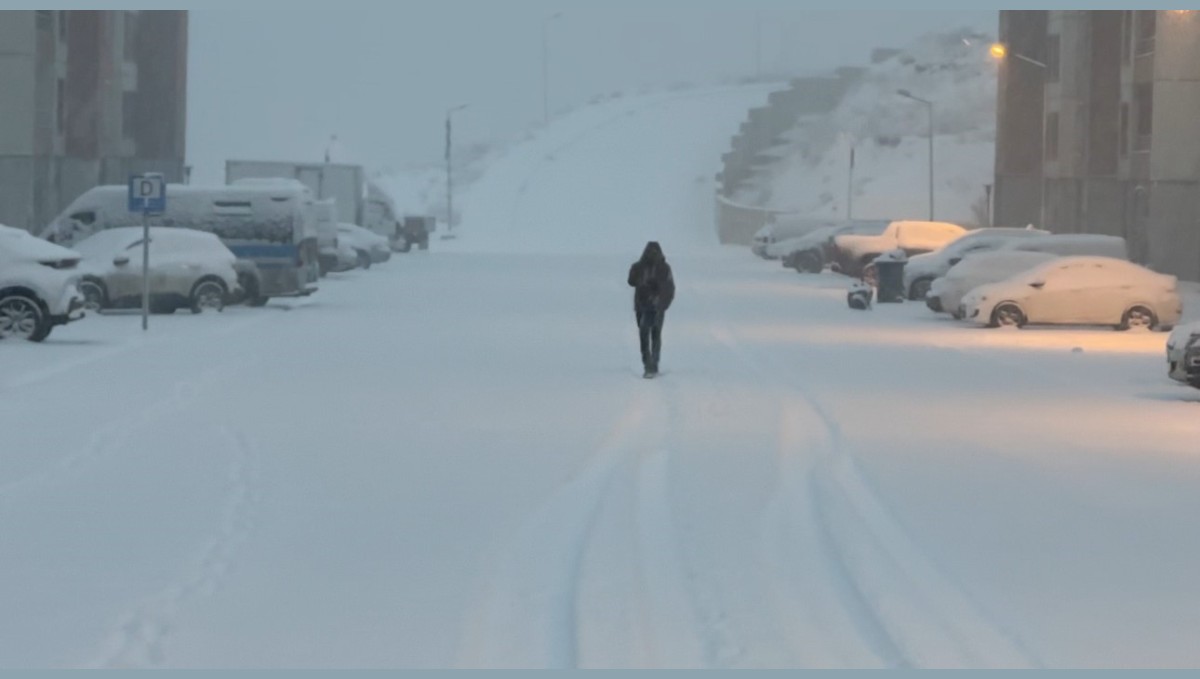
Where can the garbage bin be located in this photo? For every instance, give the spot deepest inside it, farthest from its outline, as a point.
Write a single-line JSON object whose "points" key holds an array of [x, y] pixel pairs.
{"points": [[889, 268]]}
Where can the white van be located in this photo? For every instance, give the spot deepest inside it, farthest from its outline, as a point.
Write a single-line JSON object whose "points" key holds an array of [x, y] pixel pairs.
{"points": [[270, 226]]}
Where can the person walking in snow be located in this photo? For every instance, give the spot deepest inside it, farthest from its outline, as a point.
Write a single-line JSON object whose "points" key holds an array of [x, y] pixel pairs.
{"points": [[654, 290]]}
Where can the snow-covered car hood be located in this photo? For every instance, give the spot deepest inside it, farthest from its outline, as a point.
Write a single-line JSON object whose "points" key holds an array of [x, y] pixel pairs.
{"points": [[18, 245]]}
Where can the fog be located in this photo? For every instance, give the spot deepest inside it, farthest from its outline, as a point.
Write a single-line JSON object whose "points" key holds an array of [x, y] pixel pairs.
{"points": [[278, 83]]}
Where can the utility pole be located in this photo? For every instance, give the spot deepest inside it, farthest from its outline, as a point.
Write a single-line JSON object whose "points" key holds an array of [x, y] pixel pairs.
{"points": [[909, 95], [546, 65], [449, 171]]}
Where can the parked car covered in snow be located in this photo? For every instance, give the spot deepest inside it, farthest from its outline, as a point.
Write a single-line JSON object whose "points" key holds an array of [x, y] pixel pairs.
{"points": [[370, 246], [1183, 354], [188, 269], [782, 228], [37, 286], [921, 270], [270, 225], [1073, 244], [1079, 291], [810, 253], [852, 253], [946, 292]]}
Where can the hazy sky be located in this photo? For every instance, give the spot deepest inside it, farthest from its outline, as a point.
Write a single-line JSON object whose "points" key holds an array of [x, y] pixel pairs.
{"points": [[272, 83]]}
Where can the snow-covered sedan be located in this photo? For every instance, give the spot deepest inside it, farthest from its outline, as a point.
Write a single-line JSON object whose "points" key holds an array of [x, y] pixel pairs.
{"points": [[921, 270], [38, 286], [853, 253], [1079, 291], [370, 246], [811, 252], [1183, 354], [188, 269], [946, 292]]}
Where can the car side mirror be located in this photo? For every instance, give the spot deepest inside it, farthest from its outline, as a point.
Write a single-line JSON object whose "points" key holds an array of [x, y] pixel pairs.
{"points": [[955, 260], [120, 260], [1038, 284]]}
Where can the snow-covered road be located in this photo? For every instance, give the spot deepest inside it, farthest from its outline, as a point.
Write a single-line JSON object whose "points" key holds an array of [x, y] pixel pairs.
{"points": [[452, 460]]}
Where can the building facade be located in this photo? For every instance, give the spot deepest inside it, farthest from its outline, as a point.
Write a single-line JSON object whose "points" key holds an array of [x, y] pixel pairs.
{"points": [[1097, 128], [90, 97]]}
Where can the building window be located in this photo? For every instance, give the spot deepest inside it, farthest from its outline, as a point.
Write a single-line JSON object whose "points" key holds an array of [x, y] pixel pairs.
{"points": [[1143, 111], [1052, 57], [60, 106], [1123, 134], [1145, 20], [62, 25], [1052, 136], [1126, 34]]}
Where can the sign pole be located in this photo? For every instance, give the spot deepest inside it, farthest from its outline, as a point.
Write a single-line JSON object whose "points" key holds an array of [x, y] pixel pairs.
{"points": [[145, 270], [147, 195]]}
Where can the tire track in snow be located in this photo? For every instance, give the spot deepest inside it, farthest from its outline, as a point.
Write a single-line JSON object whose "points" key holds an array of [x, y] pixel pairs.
{"points": [[529, 616], [116, 435], [671, 629], [140, 637], [924, 616]]}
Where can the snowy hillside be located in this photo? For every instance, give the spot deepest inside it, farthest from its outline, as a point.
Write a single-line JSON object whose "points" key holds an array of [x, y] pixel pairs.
{"points": [[608, 176], [889, 135]]}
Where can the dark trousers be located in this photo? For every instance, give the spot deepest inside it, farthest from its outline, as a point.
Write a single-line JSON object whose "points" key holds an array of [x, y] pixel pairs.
{"points": [[650, 323]]}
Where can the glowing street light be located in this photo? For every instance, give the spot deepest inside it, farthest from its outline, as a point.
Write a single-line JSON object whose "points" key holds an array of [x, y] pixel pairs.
{"points": [[998, 50]]}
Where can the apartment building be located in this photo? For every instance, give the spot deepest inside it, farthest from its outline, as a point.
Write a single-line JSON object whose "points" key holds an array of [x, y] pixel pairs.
{"points": [[89, 97], [1097, 128]]}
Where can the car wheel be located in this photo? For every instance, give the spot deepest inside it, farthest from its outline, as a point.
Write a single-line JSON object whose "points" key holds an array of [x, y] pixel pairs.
{"points": [[403, 244], [95, 296], [1008, 315], [22, 317], [364, 259], [919, 289], [208, 295], [809, 261], [1138, 318]]}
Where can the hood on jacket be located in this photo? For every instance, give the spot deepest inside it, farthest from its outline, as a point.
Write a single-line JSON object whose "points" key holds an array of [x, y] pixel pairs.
{"points": [[653, 252]]}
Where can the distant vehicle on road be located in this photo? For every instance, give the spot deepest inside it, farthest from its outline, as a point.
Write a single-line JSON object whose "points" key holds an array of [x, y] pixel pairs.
{"points": [[188, 269], [37, 286], [1079, 291]]}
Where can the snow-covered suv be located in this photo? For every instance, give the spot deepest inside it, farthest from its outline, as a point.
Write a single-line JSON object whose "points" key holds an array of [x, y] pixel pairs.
{"points": [[853, 252], [38, 286]]}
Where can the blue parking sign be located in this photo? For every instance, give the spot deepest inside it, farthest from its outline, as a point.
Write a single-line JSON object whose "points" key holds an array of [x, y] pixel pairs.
{"points": [[147, 193]]}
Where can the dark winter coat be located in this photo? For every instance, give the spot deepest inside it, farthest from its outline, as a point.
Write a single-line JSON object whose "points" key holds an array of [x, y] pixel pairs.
{"points": [[650, 276]]}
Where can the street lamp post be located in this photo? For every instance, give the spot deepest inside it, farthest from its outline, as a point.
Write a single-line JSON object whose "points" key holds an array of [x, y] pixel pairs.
{"points": [[449, 174], [546, 65], [1000, 51], [909, 95]]}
